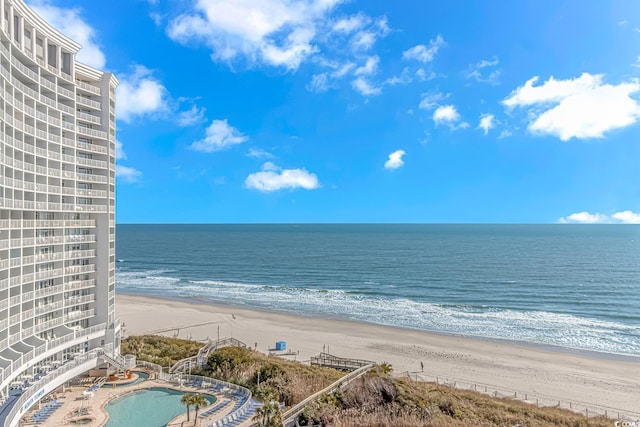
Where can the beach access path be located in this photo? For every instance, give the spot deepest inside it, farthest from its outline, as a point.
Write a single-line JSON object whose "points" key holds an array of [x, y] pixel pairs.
{"points": [[585, 379]]}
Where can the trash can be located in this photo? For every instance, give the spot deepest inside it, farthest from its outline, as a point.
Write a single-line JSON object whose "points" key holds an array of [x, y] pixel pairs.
{"points": [[281, 345]]}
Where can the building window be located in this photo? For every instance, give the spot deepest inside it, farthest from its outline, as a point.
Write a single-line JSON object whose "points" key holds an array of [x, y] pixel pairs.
{"points": [[66, 62], [52, 51], [16, 28]]}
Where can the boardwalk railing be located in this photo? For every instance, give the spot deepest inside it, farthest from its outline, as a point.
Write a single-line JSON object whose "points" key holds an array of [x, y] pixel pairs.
{"points": [[539, 400], [201, 358], [289, 416], [327, 360]]}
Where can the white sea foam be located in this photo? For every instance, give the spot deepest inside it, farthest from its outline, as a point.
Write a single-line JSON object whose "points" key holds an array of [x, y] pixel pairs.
{"points": [[484, 321], [147, 279]]}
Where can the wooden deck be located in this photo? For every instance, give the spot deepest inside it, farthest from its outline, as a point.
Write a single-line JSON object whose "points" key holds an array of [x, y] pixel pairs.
{"points": [[342, 363]]}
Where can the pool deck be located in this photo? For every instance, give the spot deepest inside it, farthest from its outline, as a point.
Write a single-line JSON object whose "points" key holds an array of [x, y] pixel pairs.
{"points": [[75, 401]]}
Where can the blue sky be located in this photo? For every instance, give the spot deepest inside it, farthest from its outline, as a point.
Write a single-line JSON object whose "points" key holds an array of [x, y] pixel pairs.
{"points": [[369, 111]]}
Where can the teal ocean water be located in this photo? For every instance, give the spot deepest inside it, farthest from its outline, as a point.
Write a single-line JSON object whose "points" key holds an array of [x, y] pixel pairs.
{"points": [[576, 287]]}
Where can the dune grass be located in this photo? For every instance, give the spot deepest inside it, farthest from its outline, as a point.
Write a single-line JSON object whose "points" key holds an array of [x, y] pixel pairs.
{"points": [[375, 400], [289, 381], [163, 351]]}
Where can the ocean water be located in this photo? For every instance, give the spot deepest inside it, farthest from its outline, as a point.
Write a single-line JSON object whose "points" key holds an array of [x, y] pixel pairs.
{"points": [[576, 287]]}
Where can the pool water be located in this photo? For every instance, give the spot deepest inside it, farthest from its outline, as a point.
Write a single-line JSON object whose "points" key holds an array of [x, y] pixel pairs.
{"points": [[153, 407], [142, 376]]}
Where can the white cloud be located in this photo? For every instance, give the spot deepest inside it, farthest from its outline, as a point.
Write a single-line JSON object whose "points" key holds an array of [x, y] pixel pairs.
{"points": [[319, 83], [128, 174], [140, 94], [370, 67], [363, 40], [424, 53], [120, 154], [70, 23], [220, 136], [273, 32], [365, 88], [383, 26], [350, 24], [423, 76], [486, 122], [505, 134], [583, 107], [431, 100], [403, 79], [343, 70], [258, 153], [286, 34], [395, 160], [627, 217], [156, 18], [273, 178], [322, 82], [191, 117], [478, 73], [623, 217], [447, 115]]}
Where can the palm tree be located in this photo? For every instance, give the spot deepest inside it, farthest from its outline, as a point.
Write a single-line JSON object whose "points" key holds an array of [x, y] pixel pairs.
{"points": [[198, 401], [187, 399], [269, 414], [262, 415]]}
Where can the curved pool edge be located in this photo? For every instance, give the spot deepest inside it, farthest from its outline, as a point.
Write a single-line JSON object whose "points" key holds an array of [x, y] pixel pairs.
{"points": [[175, 419], [157, 385]]}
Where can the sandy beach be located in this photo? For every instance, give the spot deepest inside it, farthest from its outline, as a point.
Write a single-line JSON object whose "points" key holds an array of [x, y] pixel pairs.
{"points": [[582, 381]]}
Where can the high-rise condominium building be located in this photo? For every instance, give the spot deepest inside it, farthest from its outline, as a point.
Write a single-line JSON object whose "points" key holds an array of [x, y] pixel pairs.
{"points": [[57, 212]]}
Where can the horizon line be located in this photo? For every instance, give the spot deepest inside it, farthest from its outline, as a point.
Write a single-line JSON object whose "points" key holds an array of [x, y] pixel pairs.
{"points": [[366, 223]]}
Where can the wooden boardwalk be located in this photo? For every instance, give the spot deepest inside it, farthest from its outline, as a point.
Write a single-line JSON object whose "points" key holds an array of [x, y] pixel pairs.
{"points": [[327, 360]]}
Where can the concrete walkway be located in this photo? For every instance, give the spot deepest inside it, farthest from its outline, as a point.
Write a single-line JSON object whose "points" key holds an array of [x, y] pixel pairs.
{"points": [[75, 406]]}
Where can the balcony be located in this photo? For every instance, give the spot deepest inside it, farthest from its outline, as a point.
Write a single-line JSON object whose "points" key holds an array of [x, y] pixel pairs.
{"points": [[91, 132], [92, 178], [92, 163], [92, 147], [80, 269], [66, 92], [75, 316], [48, 84], [88, 102], [48, 308], [43, 223], [89, 253], [65, 108], [48, 291], [80, 238], [79, 284], [92, 193], [89, 118], [80, 223], [49, 274], [82, 299], [25, 71], [41, 327], [92, 208], [88, 87]]}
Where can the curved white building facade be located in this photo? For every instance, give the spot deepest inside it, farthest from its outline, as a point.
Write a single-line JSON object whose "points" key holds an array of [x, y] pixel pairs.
{"points": [[57, 212]]}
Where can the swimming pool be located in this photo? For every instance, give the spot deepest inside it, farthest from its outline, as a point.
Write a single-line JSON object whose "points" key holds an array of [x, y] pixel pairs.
{"points": [[142, 376], [153, 407]]}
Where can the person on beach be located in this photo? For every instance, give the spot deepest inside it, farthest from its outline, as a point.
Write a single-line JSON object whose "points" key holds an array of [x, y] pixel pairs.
{"points": [[421, 366]]}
